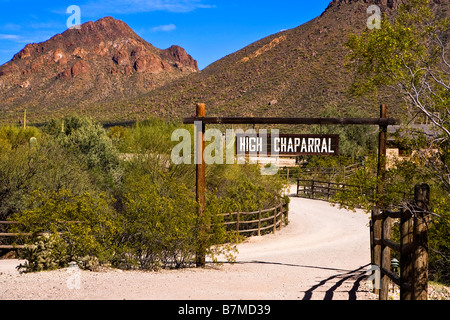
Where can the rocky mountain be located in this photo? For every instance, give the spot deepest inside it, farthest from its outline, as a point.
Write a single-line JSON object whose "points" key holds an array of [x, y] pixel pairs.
{"points": [[100, 62], [108, 72], [294, 73], [298, 72]]}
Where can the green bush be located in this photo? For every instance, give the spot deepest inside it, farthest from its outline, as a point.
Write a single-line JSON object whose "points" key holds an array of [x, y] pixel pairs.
{"points": [[46, 166], [161, 223], [12, 137], [90, 142], [77, 227]]}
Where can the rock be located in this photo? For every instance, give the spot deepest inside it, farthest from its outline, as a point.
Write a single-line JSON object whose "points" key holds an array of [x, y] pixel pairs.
{"points": [[79, 68], [148, 64], [79, 53], [65, 74], [25, 84], [58, 55], [8, 68], [121, 58], [178, 56]]}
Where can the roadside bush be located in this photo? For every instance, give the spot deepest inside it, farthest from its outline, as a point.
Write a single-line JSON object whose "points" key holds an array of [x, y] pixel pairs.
{"points": [[90, 143], [244, 187], [46, 166], [76, 228], [161, 223]]}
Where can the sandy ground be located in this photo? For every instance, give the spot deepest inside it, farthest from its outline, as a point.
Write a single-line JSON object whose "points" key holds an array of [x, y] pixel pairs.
{"points": [[322, 255]]}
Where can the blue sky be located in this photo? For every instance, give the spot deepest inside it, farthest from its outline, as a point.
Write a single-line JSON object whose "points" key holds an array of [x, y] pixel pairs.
{"points": [[207, 29]]}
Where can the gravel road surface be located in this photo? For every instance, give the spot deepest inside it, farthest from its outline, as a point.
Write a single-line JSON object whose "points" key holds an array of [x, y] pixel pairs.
{"points": [[323, 254]]}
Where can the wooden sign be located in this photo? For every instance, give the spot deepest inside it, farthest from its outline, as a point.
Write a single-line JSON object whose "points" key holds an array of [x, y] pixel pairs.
{"points": [[287, 145]]}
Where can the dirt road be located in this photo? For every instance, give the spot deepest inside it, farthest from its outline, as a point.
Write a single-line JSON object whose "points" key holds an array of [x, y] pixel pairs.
{"points": [[322, 254]]}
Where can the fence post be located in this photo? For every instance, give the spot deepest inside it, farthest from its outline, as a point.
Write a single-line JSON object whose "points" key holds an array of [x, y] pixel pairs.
{"points": [[421, 220], [237, 222], [259, 223], [381, 174], [285, 206], [406, 259], [372, 243], [275, 221], [281, 221], [385, 258], [376, 234], [329, 187]]}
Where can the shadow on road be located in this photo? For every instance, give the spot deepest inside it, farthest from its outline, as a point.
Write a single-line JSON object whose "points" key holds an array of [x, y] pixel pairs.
{"points": [[357, 275]]}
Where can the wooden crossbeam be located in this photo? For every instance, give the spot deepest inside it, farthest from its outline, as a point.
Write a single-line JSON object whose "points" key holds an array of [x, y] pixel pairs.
{"points": [[293, 121]]}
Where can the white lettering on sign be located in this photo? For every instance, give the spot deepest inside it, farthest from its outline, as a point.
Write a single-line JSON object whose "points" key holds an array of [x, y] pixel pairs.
{"points": [[289, 145]]}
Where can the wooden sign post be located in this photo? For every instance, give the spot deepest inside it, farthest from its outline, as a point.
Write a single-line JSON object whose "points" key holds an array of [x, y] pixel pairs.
{"points": [[201, 184], [377, 226]]}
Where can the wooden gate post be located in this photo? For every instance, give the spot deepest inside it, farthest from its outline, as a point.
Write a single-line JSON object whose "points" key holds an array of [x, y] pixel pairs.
{"points": [[381, 176], [201, 184], [385, 258], [421, 221], [406, 258]]}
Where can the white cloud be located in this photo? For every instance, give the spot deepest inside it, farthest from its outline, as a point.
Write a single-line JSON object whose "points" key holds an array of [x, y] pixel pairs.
{"points": [[165, 28], [136, 6], [9, 37]]}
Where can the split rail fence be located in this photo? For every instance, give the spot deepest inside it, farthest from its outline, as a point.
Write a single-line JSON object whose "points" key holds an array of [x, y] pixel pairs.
{"points": [[248, 223], [258, 222], [318, 189]]}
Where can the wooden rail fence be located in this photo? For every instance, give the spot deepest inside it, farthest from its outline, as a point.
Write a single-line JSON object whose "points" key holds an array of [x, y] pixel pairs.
{"points": [[258, 221], [413, 247], [11, 235], [318, 189]]}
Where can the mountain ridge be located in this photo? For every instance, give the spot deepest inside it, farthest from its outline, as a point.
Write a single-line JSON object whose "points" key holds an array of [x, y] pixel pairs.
{"points": [[297, 72], [102, 61]]}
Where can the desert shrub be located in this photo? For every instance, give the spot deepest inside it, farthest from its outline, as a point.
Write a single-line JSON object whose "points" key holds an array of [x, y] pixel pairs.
{"points": [[399, 188], [138, 210], [161, 223], [46, 166], [77, 227], [12, 137], [244, 188], [90, 142]]}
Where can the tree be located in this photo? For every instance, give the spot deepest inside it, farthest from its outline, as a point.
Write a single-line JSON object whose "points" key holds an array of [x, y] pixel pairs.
{"points": [[409, 56]]}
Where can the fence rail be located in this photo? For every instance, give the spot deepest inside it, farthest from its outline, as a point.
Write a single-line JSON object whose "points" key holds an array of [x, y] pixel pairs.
{"points": [[12, 235], [413, 247], [325, 190], [261, 220], [21, 234]]}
